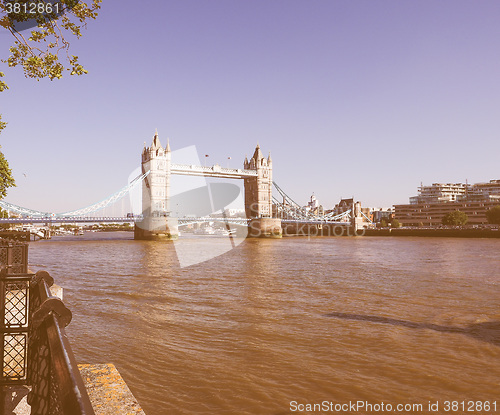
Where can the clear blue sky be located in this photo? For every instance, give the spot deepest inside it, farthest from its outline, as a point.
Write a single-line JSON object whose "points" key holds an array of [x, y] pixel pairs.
{"points": [[364, 98]]}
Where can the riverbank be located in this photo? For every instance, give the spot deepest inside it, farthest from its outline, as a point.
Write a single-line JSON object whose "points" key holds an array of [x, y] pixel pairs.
{"points": [[445, 233]]}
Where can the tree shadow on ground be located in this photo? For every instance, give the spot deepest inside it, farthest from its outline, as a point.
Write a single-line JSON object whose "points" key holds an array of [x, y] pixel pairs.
{"points": [[487, 332]]}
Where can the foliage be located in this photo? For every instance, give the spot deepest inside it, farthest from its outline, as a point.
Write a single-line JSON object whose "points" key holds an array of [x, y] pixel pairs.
{"points": [[4, 214], [3, 85], [107, 227], [493, 215], [6, 178], [383, 223], [395, 223], [455, 218], [38, 54], [2, 124]]}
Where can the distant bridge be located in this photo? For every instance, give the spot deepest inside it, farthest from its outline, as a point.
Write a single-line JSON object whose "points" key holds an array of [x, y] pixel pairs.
{"points": [[184, 221], [288, 210], [257, 174]]}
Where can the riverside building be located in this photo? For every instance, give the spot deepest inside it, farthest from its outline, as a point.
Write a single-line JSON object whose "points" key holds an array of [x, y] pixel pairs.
{"points": [[433, 202], [439, 193]]}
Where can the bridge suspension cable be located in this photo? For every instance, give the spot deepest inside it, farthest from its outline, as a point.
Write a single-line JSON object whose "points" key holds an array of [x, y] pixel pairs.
{"points": [[291, 209], [79, 212], [288, 209], [290, 206], [106, 202]]}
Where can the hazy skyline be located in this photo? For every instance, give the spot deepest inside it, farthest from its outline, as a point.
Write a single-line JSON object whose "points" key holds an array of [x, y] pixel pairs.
{"points": [[359, 98]]}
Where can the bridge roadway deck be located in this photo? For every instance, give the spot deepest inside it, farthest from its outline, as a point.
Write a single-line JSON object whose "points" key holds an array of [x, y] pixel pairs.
{"points": [[118, 219], [213, 171], [123, 219], [315, 222], [69, 219]]}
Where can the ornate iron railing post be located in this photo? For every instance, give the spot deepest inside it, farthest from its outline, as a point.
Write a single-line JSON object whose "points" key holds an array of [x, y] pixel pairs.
{"points": [[34, 348], [57, 386], [13, 257], [14, 316], [14, 322]]}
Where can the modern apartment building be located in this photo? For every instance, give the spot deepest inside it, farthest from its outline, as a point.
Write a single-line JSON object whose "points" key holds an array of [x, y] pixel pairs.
{"points": [[433, 202], [490, 190], [440, 192]]}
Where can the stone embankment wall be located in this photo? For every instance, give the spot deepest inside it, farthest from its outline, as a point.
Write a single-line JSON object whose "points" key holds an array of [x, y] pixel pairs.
{"points": [[447, 233]]}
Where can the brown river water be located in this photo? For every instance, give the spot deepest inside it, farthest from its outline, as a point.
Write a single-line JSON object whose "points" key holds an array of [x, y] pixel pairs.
{"points": [[275, 324]]}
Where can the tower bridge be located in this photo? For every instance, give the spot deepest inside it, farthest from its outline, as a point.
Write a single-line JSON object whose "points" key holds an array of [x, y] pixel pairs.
{"points": [[266, 215], [157, 221]]}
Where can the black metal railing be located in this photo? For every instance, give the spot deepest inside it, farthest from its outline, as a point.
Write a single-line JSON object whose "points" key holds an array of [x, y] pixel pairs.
{"points": [[34, 347], [13, 257], [14, 315], [57, 387]]}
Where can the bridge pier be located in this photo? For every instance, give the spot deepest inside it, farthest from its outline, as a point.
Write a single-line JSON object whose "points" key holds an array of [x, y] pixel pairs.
{"points": [[156, 229], [265, 228]]}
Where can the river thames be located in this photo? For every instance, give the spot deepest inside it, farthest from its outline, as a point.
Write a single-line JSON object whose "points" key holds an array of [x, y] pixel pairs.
{"points": [[272, 322]]}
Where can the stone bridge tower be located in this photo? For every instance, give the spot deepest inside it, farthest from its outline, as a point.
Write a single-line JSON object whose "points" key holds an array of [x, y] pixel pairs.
{"points": [[258, 190], [156, 223], [259, 198], [156, 187]]}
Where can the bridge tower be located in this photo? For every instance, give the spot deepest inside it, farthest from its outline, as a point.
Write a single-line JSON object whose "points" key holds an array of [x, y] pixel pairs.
{"points": [[357, 219], [156, 187], [258, 197], [156, 223], [258, 190]]}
